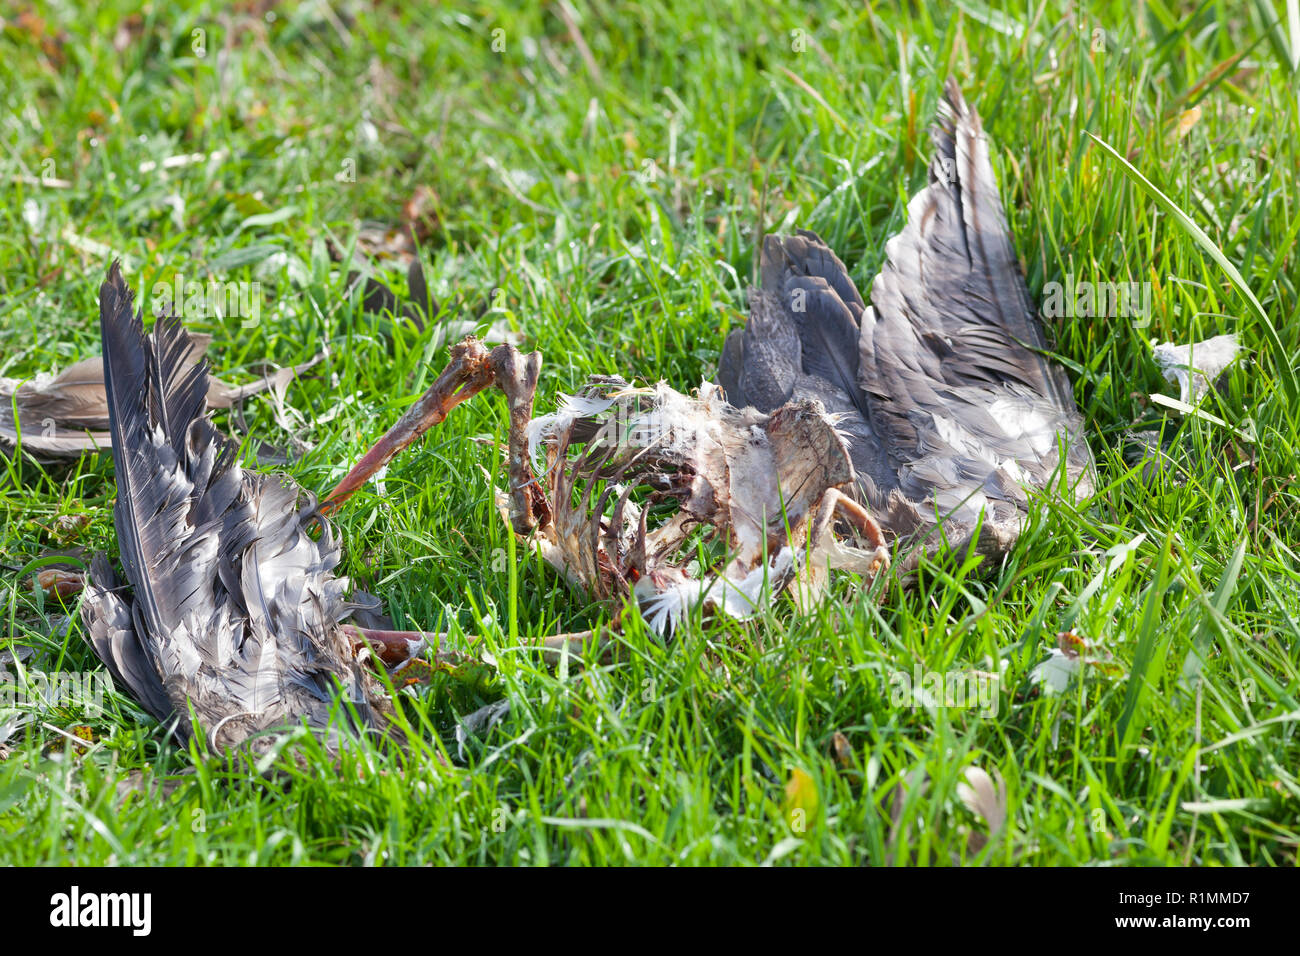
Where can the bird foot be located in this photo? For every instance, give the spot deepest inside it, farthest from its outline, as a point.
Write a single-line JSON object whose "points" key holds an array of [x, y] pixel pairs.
{"points": [[837, 504], [398, 649]]}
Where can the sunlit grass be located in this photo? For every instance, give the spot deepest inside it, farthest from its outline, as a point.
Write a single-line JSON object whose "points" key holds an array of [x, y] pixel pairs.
{"points": [[611, 217]]}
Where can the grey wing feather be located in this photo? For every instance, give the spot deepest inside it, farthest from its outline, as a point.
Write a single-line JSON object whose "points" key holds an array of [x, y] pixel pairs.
{"points": [[234, 607], [950, 408], [952, 361], [729, 367], [111, 626], [771, 353]]}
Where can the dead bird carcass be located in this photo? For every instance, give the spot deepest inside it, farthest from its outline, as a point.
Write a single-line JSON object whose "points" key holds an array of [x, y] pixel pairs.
{"points": [[924, 423], [636, 483]]}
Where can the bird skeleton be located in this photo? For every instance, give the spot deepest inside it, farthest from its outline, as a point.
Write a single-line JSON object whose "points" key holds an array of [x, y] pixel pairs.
{"points": [[925, 419], [760, 490]]}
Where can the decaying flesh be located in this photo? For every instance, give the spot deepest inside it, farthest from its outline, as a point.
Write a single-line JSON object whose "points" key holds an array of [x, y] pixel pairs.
{"points": [[639, 483], [759, 492]]}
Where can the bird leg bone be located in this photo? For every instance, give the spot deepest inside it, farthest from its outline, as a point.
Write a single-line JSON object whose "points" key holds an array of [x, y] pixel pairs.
{"points": [[516, 376], [472, 368], [395, 649], [827, 550], [836, 503], [699, 452]]}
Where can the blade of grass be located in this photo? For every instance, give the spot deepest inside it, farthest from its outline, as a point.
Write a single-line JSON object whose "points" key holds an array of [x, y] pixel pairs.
{"points": [[1149, 634], [1285, 370], [1195, 659]]}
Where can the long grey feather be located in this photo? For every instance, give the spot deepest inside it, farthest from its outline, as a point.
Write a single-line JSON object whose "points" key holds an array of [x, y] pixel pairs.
{"points": [[234, 612], [943, 389]]}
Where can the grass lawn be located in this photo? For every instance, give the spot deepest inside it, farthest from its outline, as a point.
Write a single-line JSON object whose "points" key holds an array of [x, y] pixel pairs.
{"points": [[596, 179]]}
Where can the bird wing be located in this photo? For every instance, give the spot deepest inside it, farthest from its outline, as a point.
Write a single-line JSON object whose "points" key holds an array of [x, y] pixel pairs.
{"points": [[941, 387], [968, 407], [234, 607]]}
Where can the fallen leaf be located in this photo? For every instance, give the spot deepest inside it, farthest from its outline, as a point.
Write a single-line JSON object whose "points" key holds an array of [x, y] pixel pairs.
{"points": [[1188, 119], [801, 801], [60, 582], [842, 750]]}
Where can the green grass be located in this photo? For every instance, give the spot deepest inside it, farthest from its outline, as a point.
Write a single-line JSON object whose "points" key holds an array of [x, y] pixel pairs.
{"points": [[610, 216]]}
